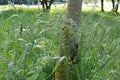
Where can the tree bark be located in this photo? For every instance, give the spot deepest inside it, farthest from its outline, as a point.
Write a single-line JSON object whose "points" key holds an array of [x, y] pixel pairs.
{"points": [[68, 46]]}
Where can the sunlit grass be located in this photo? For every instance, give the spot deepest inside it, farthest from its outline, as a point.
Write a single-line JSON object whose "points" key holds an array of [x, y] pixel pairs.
{"points": [[30, 38]]}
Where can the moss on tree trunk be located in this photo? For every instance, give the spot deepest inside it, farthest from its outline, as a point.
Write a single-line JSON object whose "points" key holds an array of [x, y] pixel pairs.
{"points": [[68, 40]]}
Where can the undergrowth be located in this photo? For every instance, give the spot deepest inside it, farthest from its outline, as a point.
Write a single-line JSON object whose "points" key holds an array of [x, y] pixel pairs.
{"points": [[29, 40]]}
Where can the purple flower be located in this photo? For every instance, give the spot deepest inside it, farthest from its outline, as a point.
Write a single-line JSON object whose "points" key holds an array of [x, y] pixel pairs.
{"points": [[10, 65]]}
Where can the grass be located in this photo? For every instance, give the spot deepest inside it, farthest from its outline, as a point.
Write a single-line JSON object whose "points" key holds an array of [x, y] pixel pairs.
{"points": [[30, 37]]}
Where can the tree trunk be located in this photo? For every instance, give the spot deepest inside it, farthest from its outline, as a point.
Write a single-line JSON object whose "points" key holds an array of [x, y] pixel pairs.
{"points": [[115, 8], [68, 46]]}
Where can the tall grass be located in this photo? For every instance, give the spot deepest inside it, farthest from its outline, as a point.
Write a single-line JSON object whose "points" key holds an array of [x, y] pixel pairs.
{"points": [[29, 40], [99, 45]]}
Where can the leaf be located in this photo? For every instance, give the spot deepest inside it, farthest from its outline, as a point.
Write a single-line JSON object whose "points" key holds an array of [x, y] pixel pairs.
{"points": [[33, 77], [7, 22], [57, 65]]}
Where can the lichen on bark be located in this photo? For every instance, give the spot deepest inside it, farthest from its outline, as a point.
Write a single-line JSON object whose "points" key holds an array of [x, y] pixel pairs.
{"points": [[68, 45]]}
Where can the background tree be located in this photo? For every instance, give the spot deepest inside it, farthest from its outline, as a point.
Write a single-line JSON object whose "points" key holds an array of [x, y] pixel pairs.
{"points": [[3, 2], [115, 9], [68, 40]]}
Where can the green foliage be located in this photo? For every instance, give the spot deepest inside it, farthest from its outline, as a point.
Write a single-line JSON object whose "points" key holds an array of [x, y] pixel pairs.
{"points": [[29, 41], [99, 45], [26, 42]]}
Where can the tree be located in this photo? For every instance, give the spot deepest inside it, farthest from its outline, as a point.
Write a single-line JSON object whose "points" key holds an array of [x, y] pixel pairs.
{"points": [[68, 46], [46, 4], [115, 8], [3, 2]]}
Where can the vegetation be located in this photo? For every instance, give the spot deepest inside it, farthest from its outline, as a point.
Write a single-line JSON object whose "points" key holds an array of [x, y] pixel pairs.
{"points": [[29, 43], [3, 2], [18, 1]]}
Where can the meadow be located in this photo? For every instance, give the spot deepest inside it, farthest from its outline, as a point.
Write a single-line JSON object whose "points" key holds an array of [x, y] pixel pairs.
{"points": [[29, 40]]}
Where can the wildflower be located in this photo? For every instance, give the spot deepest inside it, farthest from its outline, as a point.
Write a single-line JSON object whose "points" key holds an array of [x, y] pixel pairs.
{"points": [[10, 65]]}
